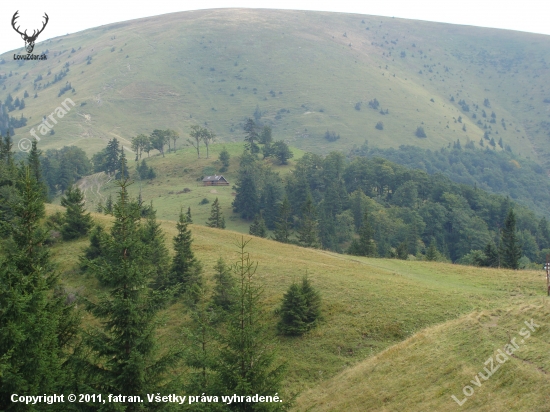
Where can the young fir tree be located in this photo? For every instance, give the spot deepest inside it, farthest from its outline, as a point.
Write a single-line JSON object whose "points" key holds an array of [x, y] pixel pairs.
{"points": [[224, 296], [202, 349], [251, 137], [283, 226], [33, 161], [123, 166], [77, 222], [293, 312], [510, 247], [186, 269], [216, 218], [188, 216], [308, 232], [491, 256], [313, 302], [258, 228], [108, 209], [112, 156], [124, 351], [224, 159], [93, 251], [247, 362], [301, 309], [153, 238], [36, 326], [432, 253]]}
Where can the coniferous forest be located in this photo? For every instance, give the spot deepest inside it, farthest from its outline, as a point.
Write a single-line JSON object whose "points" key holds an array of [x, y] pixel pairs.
{"points": [[333, 202]]}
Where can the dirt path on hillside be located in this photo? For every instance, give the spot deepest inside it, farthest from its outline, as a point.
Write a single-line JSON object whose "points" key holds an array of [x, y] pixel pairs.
{"points": [[91, 185]]}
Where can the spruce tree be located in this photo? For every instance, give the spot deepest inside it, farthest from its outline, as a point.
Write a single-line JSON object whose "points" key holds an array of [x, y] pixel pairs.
{"points": [[124, 351], [293, 312], [186, 270], [216, 218], [33, 161], [77, 223], [308, 232], [154, 241], [36, 326], [202, 349], [301, 309], [123, 166], [283, 226], [511, 249], [247, 364], [188, 216], [432, 253], [224, 295], [313, 302], [224, 159], [112, 156], [271, 195], [246, 201], [251, 137], [108, 209], [258, 228], [93, 251], [491, 256]]}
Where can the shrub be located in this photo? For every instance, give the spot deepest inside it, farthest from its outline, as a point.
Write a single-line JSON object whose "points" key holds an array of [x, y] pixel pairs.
{"points": [[204, 201], [374, 104], [379, 126], [420, 132], [331, 136]]}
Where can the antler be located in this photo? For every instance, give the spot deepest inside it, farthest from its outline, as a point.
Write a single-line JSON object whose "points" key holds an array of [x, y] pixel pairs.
{"points": [[43, 25], [15, 16]]}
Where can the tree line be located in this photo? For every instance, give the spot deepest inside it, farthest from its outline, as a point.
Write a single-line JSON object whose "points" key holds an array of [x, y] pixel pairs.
{"points": [[500, 172], [325, 201]]}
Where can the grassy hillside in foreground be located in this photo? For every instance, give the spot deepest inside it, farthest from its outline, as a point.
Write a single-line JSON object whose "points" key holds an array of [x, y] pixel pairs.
{"points": [[368, 304], [306, 72], [425, 371]]}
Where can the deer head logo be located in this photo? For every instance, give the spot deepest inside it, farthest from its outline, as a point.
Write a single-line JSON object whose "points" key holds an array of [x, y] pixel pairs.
{"points": [[29, 40]]}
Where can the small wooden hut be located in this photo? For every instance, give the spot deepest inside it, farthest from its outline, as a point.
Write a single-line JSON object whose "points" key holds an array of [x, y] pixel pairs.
{"points": [[215, 181]]}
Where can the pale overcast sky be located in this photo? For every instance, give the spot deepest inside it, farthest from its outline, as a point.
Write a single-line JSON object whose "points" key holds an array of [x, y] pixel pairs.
{"points": [[72, 16]]}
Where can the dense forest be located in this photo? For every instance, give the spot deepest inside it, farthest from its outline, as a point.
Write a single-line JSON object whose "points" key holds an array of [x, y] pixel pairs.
{"points": [[324, 201], [524, 180]]}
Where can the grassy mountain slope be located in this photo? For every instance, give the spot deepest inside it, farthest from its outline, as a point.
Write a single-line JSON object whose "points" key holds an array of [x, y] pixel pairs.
{"points": [[368, 304], [178, 171], [425, 371], [305, 71]]}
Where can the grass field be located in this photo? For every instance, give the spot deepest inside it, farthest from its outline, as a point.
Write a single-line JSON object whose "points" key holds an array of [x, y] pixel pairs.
{"points": [[394, 334], [306, 72], [177, 171]]}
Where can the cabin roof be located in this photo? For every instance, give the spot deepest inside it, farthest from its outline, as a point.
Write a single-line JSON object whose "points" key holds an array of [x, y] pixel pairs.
{"points": [[214, 178]]}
